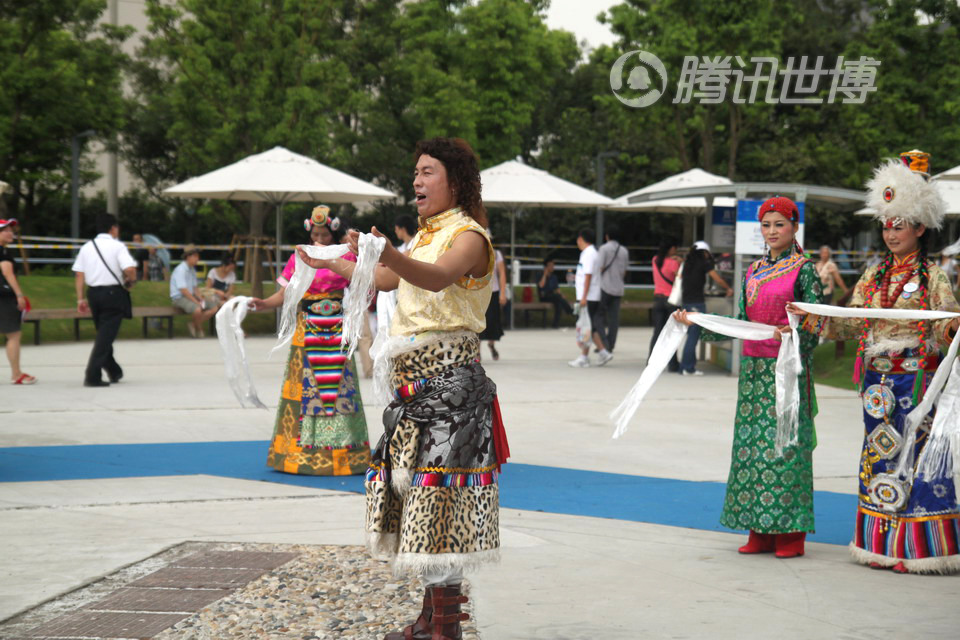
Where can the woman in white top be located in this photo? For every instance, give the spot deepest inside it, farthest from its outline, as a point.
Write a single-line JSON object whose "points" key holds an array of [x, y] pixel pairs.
{"points": [[829, 274], [221, 280]]}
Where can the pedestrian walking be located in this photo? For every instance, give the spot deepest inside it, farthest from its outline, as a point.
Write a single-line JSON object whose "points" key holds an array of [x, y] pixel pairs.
{"points": [[697, 267], [105, 267], [498, 299], [666, 265], [13, 304], [612, 259], [587, 282]]}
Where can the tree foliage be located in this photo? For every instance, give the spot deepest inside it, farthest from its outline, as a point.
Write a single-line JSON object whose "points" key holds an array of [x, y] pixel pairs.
{"points": [[61, 75]]}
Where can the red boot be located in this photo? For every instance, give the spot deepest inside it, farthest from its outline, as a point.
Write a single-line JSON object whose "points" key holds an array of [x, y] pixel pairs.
{"points": [[447, 617], [790, 545], [419, 630], [758, 543]]}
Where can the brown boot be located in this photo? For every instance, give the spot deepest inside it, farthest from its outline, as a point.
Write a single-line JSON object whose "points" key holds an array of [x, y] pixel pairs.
{"points": [[419, 630], [447, 617]]}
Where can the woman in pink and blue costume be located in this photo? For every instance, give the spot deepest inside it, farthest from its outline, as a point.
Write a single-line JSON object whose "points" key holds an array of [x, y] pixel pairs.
{"points": [[320, 427], [771, 495]]}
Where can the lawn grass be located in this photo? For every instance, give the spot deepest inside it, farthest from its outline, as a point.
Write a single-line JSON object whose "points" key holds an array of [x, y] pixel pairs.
{"points": [[57, 292], [831, 370]]}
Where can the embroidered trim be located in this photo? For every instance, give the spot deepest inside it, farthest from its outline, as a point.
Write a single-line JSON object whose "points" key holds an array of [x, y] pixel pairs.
{"points": [[455, 479]]}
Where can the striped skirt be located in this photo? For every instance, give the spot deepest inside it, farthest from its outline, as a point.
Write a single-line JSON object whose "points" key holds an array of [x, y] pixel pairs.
{"points": [[924, 532], [320, 427]]}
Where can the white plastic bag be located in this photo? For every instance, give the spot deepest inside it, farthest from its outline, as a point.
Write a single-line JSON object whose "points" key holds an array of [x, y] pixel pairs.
{"points": [[584, 329], [676, 294]]}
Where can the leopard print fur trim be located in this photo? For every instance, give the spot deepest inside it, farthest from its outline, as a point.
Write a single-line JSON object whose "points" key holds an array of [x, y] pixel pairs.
{"points": [[382, 546], [421, 563], [401, 481]]}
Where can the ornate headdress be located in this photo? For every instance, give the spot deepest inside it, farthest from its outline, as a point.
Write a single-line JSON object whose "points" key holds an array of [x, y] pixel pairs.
{"points": [[321, 217], [900, 191]]}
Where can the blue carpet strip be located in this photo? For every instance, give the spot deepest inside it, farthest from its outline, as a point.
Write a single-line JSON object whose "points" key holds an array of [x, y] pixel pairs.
{"points": [[677, 503]]}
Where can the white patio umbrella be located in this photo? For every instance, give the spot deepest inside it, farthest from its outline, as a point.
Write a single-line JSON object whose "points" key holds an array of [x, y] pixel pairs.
{"points": [[691, 206], [280, 176], [949, 174], [515, 186]]}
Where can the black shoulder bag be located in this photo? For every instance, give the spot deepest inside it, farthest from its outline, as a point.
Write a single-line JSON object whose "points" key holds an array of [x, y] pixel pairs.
{"points": [[127, 301]]}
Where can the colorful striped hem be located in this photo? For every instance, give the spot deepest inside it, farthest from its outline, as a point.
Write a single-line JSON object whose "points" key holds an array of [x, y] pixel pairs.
{"points": [[454, 479], [886, 536], [377, 474]]}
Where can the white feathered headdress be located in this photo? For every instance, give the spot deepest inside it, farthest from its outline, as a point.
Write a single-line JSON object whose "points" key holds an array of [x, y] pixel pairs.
{"points": [[897, 192]]}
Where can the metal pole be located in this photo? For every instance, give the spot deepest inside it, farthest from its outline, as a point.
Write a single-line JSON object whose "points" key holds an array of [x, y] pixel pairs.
{"points": [[113, 204], [601, 185], [279, 236], [75, 181], [601, 180], [74, 187]]}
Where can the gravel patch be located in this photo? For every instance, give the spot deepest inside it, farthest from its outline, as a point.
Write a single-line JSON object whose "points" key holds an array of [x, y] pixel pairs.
{"points": [[324, 592]]}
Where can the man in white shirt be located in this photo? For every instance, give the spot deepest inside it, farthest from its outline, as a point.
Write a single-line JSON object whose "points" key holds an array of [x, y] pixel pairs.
{"points": [[104, 264], [587, 283], [183, 291]]}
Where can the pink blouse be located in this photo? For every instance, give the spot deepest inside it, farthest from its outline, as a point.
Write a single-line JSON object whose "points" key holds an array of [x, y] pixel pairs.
{"points": [[325, 280], [669, 270]]}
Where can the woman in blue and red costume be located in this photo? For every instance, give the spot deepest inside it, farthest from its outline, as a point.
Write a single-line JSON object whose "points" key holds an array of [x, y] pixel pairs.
{"points": [[911, 527], [320, 428], [772, 495]]}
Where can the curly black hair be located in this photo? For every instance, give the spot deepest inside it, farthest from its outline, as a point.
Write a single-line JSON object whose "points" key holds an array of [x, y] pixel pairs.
{"points": [[463, 172]]}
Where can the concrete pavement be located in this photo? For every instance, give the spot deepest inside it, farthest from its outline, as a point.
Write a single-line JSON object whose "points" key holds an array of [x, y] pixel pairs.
{"points": [[565, 574]]}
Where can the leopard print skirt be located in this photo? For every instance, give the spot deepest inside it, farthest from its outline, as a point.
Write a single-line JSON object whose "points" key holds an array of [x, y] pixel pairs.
{"points": [[432, 487]]}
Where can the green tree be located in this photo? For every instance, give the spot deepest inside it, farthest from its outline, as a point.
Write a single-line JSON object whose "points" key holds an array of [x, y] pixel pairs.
{"points": [[60, 74]]}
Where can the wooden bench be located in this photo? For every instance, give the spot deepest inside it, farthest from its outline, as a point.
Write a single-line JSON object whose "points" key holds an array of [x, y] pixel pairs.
{"points": [[544, 307], [146, 314], [536, 307]]}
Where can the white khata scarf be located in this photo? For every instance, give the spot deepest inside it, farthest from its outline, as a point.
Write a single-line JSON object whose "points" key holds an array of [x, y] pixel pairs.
{"points": [[787, 370], [356, 300], [941, 454]]}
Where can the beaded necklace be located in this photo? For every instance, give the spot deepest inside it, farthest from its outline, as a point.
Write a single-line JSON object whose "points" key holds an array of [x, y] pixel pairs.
{"points": [[881, 282]]}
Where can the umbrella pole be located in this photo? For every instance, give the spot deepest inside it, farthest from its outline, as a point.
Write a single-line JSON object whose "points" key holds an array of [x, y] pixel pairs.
{"points": [[279, 255], [513, 253]]}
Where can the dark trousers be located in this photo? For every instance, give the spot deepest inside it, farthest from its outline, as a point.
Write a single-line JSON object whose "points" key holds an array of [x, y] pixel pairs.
{"points": [[106, 306], [608, 319], [560, 305], [661, 313], [688, 362]]}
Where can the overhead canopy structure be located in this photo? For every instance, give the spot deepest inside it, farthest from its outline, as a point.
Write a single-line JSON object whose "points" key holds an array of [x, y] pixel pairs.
{"points": [[829, 197], [279, 176], [516, 186], [694, 205]]}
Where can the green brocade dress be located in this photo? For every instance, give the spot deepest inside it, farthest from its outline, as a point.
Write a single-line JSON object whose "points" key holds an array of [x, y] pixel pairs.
{"points": [[767, 493]]}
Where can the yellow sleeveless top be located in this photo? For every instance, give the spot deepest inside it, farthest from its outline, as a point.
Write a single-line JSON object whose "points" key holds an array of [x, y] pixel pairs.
{"points": [[462, 305]]}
